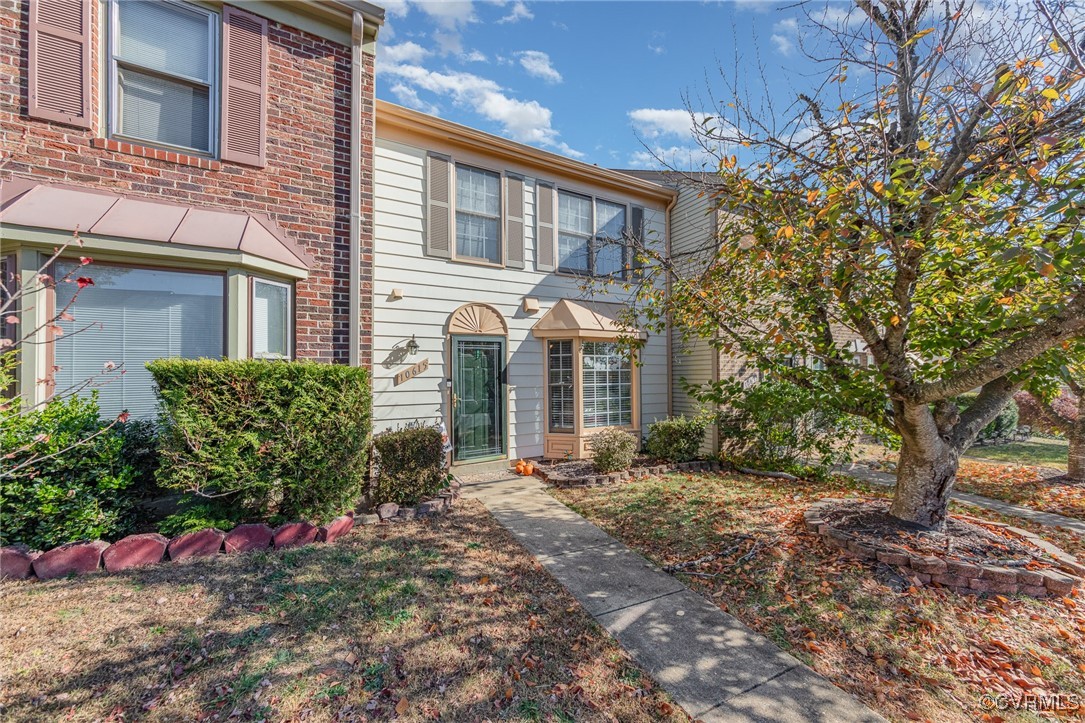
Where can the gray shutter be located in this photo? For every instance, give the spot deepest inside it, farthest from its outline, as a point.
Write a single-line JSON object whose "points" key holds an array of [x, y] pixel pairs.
{"points": [[544, 214], [514, 221], [59, 62], [438, 206], [636, 231], [244, 92]]}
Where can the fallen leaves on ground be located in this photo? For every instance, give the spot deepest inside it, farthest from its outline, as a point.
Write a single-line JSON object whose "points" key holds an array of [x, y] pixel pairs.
{"points": [[1022, 485], [447, 619], [910, 652]]}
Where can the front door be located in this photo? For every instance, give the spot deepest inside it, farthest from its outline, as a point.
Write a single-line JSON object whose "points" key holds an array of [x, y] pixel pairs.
{"points": [[478, 398]]}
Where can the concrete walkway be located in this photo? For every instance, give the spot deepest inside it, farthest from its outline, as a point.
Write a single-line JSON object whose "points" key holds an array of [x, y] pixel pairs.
{"points": [[713, 666], [864, 473]]}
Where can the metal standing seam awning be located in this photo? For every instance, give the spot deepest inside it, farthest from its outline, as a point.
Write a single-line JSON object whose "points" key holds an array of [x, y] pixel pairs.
{"points": [[61, 207], [584, 319]]}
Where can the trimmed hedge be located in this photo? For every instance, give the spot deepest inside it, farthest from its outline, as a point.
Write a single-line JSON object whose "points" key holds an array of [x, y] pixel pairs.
{"points": [[75, 482], [409, 465], [677, 439], [266, 440]]}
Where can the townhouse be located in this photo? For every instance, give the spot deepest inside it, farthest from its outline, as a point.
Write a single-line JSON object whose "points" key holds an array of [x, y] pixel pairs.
{"points": [[218, 174]]}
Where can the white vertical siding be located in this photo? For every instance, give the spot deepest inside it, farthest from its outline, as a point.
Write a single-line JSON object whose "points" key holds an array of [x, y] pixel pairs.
{"points": [[434, 288]]}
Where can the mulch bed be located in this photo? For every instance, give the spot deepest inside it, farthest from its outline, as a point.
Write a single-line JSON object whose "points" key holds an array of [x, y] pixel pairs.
{"points": [[960, 539]]}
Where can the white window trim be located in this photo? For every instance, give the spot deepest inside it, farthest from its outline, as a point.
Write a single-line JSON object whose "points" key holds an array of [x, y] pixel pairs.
{"points": [[591, 238], [501, 216], [289, 317], [213, 84]]}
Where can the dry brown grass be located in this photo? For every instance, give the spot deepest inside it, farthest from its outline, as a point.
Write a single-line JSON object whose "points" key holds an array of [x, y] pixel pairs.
{"points": [[911, 653], [443, 620]]}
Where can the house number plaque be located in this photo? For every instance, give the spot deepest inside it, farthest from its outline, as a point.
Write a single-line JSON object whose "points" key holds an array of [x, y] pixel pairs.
{"points": [[412, 372]]}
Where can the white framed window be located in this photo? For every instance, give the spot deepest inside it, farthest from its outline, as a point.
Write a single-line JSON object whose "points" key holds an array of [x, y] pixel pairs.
{"points": [[478, 214], [129, 316], [591, 235], [607, 384], [272, 320], [162, 80], [561, 385]]}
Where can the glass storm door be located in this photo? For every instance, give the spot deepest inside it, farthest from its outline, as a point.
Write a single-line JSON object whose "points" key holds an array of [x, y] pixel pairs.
{"points": [[478, 398]]}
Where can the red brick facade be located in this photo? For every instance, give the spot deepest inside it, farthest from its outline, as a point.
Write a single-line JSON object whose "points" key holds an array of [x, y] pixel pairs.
{"points": [[304, 186]]}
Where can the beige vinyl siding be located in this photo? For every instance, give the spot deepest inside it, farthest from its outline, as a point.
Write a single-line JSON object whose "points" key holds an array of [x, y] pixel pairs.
{"points": [[695, 360], [434, 288]]}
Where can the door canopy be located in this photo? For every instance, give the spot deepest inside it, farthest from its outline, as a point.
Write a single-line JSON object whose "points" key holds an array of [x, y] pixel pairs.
{"points": [[477, 319]]}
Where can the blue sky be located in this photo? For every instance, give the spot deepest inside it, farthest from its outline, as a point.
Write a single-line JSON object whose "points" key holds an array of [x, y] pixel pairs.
{"points": [[592, 80]]}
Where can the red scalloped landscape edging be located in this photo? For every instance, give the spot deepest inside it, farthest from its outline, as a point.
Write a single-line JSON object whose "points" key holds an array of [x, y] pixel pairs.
{"points": [[595, 480], [959, 576], [17, 562]]}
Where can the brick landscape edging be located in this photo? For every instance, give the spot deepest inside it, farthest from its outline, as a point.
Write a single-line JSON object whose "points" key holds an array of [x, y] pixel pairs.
{"points": [[959, 576], [595, 480], [18, 562]]}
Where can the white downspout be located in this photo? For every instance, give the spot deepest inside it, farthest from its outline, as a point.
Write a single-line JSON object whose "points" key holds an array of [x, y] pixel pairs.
{"points": [[354, 319]]}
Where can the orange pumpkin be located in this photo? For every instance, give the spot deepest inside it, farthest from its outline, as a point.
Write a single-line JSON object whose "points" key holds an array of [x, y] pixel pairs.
{"points": [[520, 467], [529, 469]]}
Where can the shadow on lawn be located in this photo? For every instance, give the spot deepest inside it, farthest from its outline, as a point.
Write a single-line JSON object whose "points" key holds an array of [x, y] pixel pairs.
{"points": [[383, 614]]}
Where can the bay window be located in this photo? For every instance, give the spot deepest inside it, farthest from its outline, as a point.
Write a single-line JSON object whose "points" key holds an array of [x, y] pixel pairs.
{"points": [[560, 371], [591, 236], [607, 385], [126, 318], [162, 73], [272, 320], [478, 214]]}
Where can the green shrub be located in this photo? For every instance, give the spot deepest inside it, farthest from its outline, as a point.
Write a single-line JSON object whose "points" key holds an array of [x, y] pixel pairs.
{"points": [[409, 465], [140, 451], [612, 450], [677, 439], [780, 425], [74, 484], [267, 440], [198, 514]]}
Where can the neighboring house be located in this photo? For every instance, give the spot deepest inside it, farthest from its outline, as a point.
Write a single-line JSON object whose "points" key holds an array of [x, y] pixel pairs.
{"points": [[695, 229], [489, 308], [215, 161]]}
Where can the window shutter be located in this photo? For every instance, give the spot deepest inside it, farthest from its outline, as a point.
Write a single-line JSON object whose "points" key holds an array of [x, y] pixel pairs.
{"points": [[438, 206], [244, 92], [58, 61], [514, 221], [544, 213], [636, 232]]}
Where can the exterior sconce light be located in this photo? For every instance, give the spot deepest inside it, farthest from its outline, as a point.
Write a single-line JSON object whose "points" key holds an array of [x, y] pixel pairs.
{"points": [[448, 384], [412, 346], [530, 305]]}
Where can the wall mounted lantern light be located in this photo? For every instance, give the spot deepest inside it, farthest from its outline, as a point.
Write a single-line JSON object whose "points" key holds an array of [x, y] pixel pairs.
{"points": [[412, 346]]}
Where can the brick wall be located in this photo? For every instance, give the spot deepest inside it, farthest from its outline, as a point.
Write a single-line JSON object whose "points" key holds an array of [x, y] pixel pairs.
{"points": [[304, 186]]}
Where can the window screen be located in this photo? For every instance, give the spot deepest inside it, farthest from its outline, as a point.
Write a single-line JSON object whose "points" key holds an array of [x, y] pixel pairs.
{"points": [[560, 383], [608, 385], [478, 214], [271, 320]]}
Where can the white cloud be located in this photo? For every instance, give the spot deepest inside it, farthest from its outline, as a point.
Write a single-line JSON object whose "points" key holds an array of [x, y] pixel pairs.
{"points": [[449, 14], [395, 8], [657, 49], [526, 121], [655, 122], [686, 158], [519, 12], [784, 35], [537, 63], [408, 96], [408, 52], [474, 56]]}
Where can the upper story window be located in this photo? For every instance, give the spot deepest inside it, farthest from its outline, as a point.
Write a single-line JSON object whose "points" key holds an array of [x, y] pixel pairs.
{"points": [[163, 66], [590, 236], [478, 214]]}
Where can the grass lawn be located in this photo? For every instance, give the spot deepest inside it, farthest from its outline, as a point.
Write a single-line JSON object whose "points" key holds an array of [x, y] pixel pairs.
{"points": [[1037, 452], [447, 619], [910, 653]]}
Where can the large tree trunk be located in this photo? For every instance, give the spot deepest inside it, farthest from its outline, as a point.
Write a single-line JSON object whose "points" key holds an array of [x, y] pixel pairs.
{"points": [[927, 468], [1075, 468], [925, 477]]}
